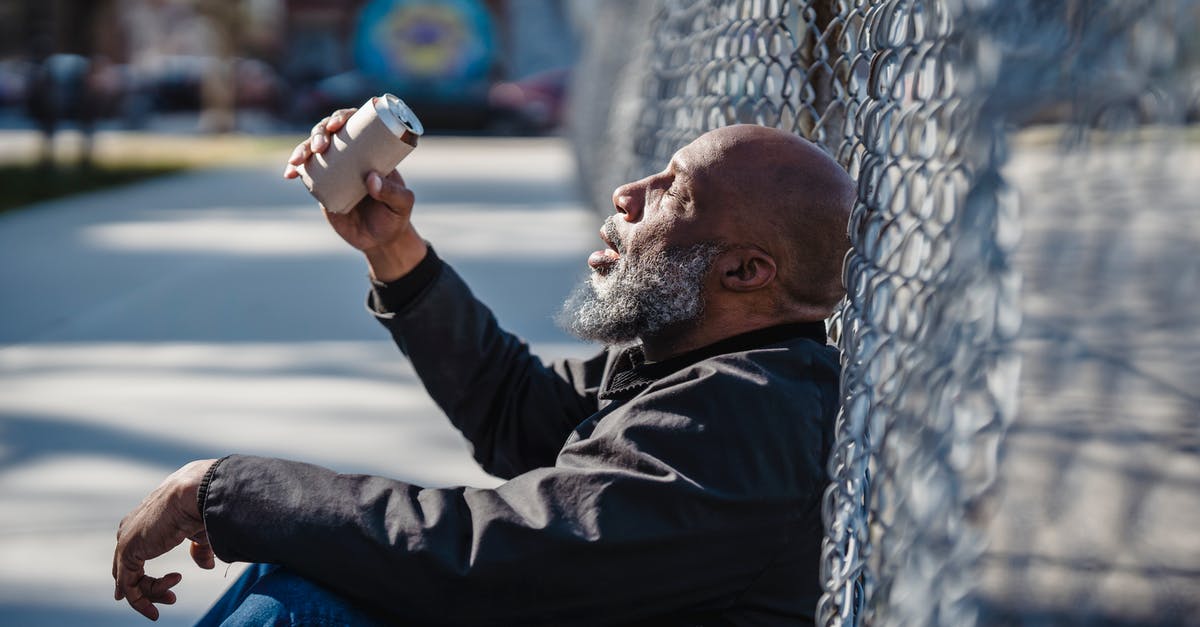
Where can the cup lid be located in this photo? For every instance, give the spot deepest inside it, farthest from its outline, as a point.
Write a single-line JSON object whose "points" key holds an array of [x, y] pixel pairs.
{"points": [[397, 116]]}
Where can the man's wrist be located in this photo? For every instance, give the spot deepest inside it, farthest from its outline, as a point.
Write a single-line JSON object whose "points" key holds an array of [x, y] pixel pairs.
{"points": [[190, 479], [393, 260]]}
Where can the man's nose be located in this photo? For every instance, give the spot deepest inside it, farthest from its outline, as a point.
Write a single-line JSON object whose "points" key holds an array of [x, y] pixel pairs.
{"points": [[628, 200]]}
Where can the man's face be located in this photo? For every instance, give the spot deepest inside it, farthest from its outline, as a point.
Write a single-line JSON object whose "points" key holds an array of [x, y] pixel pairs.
{"points": [[664, 209], [651, 277]]}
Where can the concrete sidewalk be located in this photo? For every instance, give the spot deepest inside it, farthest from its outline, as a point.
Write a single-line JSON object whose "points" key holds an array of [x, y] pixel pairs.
{"points": [[215, 312]]}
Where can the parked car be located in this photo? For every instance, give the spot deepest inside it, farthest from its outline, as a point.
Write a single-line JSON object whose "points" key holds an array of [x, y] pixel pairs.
{"points": [[176, 83], [73, 87]]}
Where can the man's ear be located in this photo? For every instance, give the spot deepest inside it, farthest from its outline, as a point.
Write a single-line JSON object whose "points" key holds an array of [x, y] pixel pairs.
{"points": [[746, 269]]}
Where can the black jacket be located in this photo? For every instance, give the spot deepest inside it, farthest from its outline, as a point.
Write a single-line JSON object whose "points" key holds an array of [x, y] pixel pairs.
{"points": [[679, 493]]}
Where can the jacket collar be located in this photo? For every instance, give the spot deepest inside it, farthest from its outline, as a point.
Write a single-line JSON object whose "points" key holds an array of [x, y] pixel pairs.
{"points": [[631, 374]]}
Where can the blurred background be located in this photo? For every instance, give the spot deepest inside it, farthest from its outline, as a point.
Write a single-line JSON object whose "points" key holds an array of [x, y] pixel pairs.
{"points": [[496, 66]]}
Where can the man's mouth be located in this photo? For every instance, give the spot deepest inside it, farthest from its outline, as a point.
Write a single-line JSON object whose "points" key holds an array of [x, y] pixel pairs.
{"points": [[603, 260]]}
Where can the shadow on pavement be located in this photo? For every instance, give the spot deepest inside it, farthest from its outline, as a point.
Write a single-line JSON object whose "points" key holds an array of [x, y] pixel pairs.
{"points": [[215, 311]]}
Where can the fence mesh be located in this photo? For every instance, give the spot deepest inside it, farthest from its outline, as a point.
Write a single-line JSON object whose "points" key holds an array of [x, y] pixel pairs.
{"points": [[1019, 441]]}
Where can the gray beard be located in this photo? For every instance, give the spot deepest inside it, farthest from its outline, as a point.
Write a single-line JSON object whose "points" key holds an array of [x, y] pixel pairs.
{"points": [[641, 296]]}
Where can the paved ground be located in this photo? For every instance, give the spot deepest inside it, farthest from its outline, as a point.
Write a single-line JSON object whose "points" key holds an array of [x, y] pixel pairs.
{"points": [[1099, 516], [214, 312]]}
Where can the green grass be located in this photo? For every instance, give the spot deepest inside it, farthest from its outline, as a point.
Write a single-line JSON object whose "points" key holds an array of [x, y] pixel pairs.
{"points": [[24, 184]]}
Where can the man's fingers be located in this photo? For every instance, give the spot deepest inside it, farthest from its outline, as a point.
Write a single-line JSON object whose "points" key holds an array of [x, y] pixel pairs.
{"points": [[141, 604], [145, 608], [123, 575], [127, 580], [150, 590], [325, 128], [319, 136], [319, 127], [338, 119], [118, 591], [203, 555], [318, 140], [301, 153], [159, 590], [391, 192], [162, 584], [132, 581], [319, 143]]}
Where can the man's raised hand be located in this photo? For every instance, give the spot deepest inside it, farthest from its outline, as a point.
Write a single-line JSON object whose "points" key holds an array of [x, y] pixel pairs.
{"points": [[164, 519], [379, 225]]}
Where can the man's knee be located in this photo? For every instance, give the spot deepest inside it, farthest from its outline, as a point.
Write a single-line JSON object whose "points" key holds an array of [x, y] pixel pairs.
{"points": [[282, 598]]}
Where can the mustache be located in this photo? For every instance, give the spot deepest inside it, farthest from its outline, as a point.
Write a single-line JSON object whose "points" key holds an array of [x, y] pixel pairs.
{"points": [[610, 233]]}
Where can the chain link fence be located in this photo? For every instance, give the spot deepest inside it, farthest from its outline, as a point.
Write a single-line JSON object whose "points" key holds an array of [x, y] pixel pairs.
{"points": [[1020, 435]]}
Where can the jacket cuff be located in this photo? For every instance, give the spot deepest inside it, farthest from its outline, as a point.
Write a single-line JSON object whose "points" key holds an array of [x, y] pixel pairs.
{"points": [[388, 299], [202, 493]]}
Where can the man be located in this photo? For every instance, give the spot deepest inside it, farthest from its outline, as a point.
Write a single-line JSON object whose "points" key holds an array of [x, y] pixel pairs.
{"points": [[674, 479]]}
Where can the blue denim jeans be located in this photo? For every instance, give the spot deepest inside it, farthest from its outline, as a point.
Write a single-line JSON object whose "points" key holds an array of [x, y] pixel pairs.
{"points": [[267, 595]]}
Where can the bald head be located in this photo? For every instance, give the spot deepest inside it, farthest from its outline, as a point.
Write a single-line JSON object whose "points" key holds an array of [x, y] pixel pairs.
{"points": [[784, 195], [744, 229]]}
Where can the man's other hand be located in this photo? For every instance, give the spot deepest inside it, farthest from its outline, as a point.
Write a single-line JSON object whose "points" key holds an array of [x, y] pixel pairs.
{"points": [[378, 225], [164, 520]]}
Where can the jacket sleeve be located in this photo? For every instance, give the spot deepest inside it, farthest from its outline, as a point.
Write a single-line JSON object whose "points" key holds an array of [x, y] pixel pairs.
{"points": [[515, 411], [667, 504]]}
